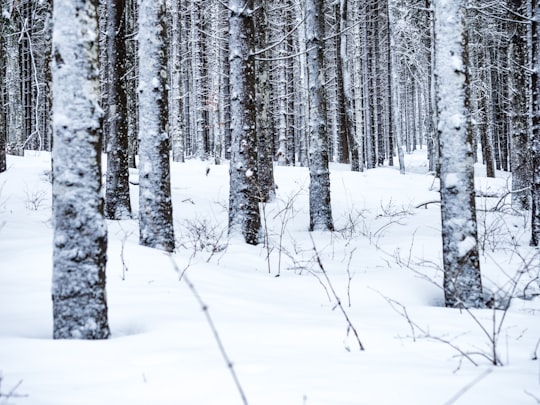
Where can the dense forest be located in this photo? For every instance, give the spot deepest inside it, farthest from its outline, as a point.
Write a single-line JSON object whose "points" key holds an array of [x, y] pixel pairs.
{"points": [[259, 84]]}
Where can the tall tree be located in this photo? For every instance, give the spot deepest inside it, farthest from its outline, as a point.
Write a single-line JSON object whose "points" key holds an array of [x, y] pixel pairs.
{"points": [[175, 103], [535, 136], [462, 281], [15, 113], [117, 199], [519, 119], [244, 215], [3, 129], [80, 233], [265, 141], [155, 206], [346, 89], [320, 209]]}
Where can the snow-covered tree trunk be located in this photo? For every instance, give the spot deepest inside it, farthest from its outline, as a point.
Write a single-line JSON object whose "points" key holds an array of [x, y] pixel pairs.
{"points": [[155, 206], [519, 119], [199, 82], [462, 281], [394, 86], [320, 209], [348, 113], [175, 104], [244, 216], [265, 144], [3, 129], [15, 125], [535, 135], [117, 199], [80, 233], [132, 71]]}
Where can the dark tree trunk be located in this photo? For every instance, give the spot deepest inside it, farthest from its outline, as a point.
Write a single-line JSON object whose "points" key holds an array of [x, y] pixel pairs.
{"points": [[117, 199], [265, 147], [535, 136], [521, 171], [244, 216], [320, 209]]}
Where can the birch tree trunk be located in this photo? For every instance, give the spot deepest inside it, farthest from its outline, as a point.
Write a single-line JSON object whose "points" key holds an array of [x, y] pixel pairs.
{"points": [[117, 199], [155, 207], [80, 233], [244, 216], [462, 281], [320, 209]]}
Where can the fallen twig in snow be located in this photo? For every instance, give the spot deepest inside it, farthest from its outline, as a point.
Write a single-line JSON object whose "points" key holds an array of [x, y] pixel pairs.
{"points": [[338, 301], [210, 322]]}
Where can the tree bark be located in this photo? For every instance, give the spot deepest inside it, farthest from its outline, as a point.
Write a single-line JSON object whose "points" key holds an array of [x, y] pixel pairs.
{"points": [[320, 209], [535, 135], [155, 207], [80, 233], [117, 198], [244, 216], [462, 281]]}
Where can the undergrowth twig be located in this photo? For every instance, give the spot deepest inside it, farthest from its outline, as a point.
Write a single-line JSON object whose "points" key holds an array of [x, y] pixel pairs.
{"points": [[213, 328], [338, 301]]}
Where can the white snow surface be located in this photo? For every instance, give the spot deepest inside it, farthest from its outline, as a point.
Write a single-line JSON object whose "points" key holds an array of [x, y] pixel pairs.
{"points": [[288, 342]]}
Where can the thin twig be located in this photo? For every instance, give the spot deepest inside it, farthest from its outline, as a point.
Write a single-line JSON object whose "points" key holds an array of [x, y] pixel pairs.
{"points": [[463, 390], [338, 301], [213, 328]]}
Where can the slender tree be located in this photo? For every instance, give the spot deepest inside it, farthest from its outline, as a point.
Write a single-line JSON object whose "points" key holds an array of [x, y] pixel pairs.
{"points": [[535, 136], [265, 141], [117, 199], [155, 206], [15, 113], [462, 281], [3, 129], [80, 233], [320, 209], [175, 103], [244, 215], [519, 119]]}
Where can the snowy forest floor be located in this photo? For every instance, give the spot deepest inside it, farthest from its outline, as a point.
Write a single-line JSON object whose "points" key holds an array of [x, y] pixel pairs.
{"points": [[288, 340]]}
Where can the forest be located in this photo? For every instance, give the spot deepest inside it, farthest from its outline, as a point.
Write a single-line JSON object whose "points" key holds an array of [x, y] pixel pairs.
{"points": [[381, 153]]}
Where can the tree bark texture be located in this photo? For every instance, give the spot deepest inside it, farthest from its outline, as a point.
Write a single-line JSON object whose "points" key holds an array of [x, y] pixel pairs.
{"points": [[80, 233], [462, 281], [244, 196], [155, 206], [320, 209]]}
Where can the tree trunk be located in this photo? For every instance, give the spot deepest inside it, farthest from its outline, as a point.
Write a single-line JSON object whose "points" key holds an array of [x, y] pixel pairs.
{"points": [[462, 281], [3, 129], [15, 128], [244, 216], [175, 103], [320, 209], [346, 88], [535, 135], [265, 147], [155, 207], [117, 199], [519, 124], [80, 233]]}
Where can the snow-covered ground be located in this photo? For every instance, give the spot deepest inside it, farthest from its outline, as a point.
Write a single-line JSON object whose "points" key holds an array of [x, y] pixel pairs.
{"points": [[288, 341]]}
